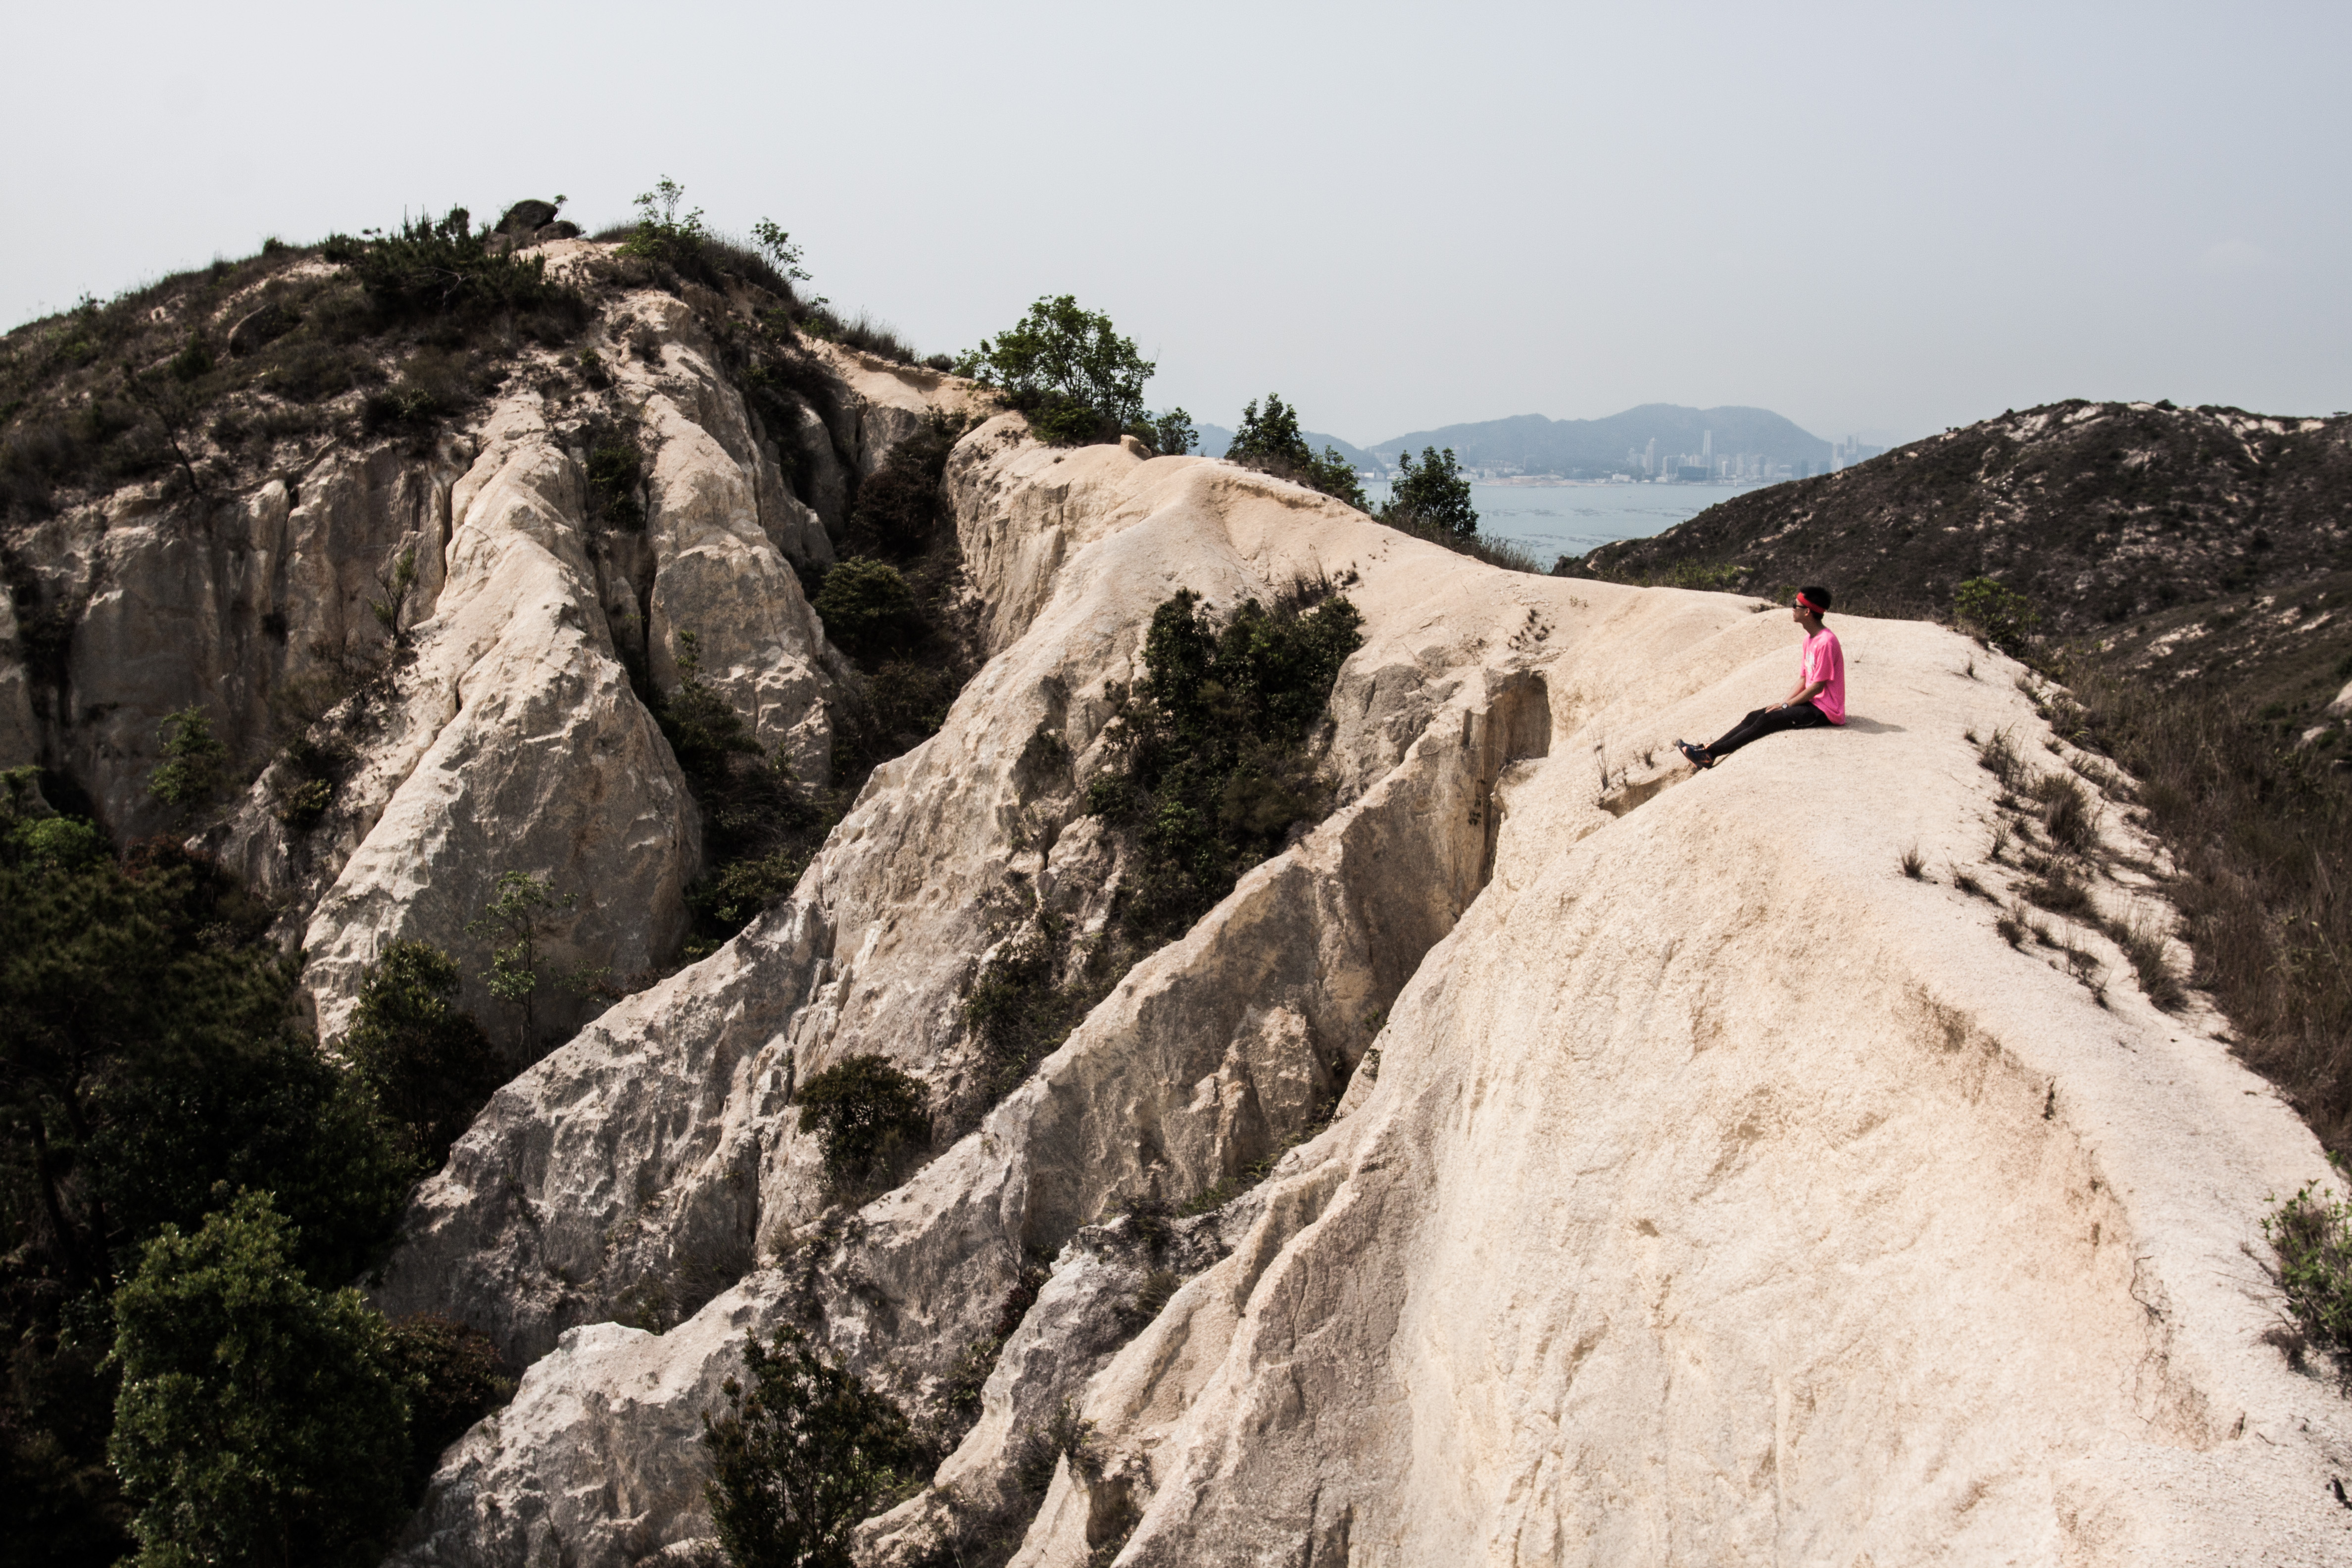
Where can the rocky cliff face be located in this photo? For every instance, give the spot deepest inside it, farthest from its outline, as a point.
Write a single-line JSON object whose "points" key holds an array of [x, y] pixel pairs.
{"points": [[479, 710], [1552, 1156], [1701, 1185]]}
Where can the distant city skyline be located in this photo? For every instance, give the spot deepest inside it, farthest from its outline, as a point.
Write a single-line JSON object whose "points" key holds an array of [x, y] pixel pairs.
{"points": [[1879, 223]]}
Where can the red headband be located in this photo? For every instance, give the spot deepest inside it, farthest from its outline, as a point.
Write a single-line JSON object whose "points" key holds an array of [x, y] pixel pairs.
{"points": [[1809, 603]]}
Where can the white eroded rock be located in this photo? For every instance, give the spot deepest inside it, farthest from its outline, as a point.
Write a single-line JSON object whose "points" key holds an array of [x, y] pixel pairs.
{"points": [[524, 750], [1719, 1192]]}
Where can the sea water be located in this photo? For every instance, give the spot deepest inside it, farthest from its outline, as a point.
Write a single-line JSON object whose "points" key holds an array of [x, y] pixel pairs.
{"points": [[1549, 520]]}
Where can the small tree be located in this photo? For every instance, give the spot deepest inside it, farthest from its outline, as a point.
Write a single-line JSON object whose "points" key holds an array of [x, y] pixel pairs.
{"points": [[454, 1378], [1068, 369], [778, 247], [513, 924], [260, 1421], [867, 607], [1271, 443], [1173, 435], [190, 773], [863, 1111], [397, 583], [1433, 497], [2001, 616], [429, 1065], [801, 1456]]}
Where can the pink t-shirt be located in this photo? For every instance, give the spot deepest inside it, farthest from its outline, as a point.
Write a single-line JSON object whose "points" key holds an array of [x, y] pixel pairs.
{"points": [[1825, 661]]}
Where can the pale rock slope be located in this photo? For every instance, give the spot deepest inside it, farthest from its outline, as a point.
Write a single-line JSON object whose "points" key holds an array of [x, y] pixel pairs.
{"points": [[1701, 1187]]}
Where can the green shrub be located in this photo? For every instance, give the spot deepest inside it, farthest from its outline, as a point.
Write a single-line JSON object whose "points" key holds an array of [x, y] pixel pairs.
{"points": [[274, 1115], [805, 1451], [1212, 771], [433, 384], [429, 1065], [899, 509], [443, 268], [867, 608], [2002, 617], [615, 470], [1066, 367], [259, 1420], [1171, 435], [513, 923], [453, 1377], [1021, 1008], [2312, 1234], [1270, 442], [1432, 494], [760, 829], [194, 765], [64, 843], [865, 1113], [144, 1037]]}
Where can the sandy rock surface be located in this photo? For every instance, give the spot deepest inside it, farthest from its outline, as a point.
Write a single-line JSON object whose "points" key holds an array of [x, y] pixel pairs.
{"points": [[1702, 1189]]}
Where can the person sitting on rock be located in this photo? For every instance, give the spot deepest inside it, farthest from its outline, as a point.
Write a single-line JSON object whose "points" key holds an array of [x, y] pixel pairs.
{"points": [[1819, 697]]}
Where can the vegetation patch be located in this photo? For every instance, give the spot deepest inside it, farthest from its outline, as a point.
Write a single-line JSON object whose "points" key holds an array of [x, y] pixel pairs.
{"points": [[1037, 986], [173, 1140], [261, 1419], [804, 1450], [430, 1066], [198, 380], [1211, 769], [2257, 827], [869, 1117], [2311, 1234], [960, 1395], [1210, 766], [1270, 441], [1076, 379]]}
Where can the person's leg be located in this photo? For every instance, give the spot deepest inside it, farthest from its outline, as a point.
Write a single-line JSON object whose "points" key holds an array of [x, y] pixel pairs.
{"points": [[1765, 722], [1758, 722]]}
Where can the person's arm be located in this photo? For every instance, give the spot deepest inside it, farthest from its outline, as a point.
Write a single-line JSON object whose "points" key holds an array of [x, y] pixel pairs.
{"points": [[1805, 693]]}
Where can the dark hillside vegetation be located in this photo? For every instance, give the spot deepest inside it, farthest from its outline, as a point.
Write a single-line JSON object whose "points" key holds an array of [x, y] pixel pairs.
{"points": [[152, 1077], [2097, 512], [203, 378], [2187, 574]]}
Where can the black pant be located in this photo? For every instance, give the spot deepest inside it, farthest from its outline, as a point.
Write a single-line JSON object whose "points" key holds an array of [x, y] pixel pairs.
{"points": [[1765, 722]]}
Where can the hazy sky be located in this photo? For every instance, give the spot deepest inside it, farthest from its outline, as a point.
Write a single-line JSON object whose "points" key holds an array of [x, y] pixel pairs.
{"points": [[1875, 218]]}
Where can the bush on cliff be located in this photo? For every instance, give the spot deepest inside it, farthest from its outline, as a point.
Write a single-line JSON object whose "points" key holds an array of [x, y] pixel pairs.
{"points": [[430, 1066], [260, 1418], [2312, 1235], [1213, 770], [149, 1068], [443, 270], [1210, 770], [1989, 609], [1270, 441], [866, 1113], [759, 827], [453, 1376], [805, 1451], [1067, 368]]}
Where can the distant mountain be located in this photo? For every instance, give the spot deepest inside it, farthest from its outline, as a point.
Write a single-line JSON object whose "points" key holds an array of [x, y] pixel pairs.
{"points": [[1590, 447], [2203, 543], [1215, 438]]}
